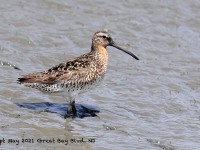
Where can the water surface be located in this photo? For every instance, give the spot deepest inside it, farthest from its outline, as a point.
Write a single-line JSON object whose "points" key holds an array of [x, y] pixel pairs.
{"points": [[149, 104]]}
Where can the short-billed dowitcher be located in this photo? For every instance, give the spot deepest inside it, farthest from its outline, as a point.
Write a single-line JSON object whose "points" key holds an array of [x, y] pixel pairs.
{"points": [[77, 75]]}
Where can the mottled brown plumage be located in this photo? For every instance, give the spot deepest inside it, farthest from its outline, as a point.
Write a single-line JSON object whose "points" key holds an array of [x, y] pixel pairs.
{"points": [[77, 75]]}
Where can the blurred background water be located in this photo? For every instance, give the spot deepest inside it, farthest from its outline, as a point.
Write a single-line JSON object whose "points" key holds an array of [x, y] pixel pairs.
{"points": [[153, 103]]}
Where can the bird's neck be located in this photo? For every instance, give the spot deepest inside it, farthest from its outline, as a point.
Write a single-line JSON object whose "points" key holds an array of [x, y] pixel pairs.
{"points": [[100, 53]]}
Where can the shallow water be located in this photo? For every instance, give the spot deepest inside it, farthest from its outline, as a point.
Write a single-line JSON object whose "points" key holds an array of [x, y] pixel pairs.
{"points": [[153, 103]]}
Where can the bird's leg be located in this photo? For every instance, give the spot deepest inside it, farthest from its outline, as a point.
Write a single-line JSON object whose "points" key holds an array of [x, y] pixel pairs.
{"points": [[71, 109], [74, 108]]}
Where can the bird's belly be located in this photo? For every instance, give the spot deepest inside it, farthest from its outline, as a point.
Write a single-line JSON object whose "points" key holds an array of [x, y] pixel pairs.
{"points": [[78, 88]]}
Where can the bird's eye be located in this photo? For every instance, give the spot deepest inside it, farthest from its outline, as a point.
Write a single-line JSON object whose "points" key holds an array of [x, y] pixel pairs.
{"points": [[104, 36]]}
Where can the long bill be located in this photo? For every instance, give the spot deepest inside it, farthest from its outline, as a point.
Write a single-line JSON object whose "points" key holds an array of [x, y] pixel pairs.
{"points": [[126, 51]]}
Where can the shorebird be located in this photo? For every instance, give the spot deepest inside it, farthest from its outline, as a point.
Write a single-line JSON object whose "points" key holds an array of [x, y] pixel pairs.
{"points": [[77, 75]]}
